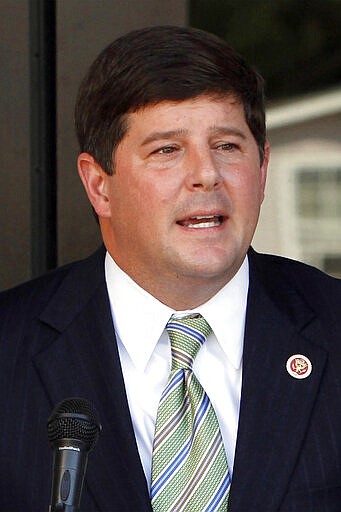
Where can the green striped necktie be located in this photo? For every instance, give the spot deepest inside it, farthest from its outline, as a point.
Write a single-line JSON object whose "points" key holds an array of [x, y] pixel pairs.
{"points": [[189, 469]]}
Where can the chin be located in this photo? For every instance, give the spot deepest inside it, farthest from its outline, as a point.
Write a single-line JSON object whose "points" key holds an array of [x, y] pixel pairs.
{"points": [[210, 270]]}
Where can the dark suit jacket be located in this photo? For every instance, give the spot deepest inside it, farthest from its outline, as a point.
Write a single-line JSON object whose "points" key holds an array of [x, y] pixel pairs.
{"points": [[57, 341]]}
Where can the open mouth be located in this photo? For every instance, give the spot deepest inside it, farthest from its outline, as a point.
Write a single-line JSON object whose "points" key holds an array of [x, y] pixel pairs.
{"points": [[202, 221]]}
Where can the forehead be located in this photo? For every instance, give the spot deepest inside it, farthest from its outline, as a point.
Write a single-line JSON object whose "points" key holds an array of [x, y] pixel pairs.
{"points": [[206, 108]]}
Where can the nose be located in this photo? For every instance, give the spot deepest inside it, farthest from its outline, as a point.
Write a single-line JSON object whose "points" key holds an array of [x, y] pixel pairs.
{"points": [[203, 172]]}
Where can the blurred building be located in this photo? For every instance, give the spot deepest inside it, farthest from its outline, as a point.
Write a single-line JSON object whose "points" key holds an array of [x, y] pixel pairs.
{"points": [[301, 215]]}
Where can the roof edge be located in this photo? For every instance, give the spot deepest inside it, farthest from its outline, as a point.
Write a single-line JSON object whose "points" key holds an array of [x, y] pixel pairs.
{"points": [[304, 109]]}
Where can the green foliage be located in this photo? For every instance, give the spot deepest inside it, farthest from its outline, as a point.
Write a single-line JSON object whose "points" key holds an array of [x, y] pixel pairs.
{"points": [[296, 44]]}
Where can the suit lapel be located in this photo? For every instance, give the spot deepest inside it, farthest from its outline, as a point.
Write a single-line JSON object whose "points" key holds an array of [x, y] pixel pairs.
{"points": [[275, 407], [83, 361]]}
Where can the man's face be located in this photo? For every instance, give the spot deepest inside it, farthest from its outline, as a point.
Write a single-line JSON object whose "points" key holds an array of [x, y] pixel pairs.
{"points": [[185, 195]]}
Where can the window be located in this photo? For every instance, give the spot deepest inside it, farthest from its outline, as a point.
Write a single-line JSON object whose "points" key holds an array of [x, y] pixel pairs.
{"points": [[319, 193], [318, 211]]}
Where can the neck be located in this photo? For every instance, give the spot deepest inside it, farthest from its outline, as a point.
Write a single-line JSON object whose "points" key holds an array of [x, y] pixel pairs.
{"points": [[180, 292], [177, 292], [183, 295]]}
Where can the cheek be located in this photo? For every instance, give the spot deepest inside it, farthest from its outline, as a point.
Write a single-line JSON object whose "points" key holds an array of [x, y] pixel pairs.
{"points": [[161, 193], [146, 207], [246, 189]]}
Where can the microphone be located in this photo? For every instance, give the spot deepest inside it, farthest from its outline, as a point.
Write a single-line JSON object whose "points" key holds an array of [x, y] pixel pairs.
{"points": [[73, 428]]}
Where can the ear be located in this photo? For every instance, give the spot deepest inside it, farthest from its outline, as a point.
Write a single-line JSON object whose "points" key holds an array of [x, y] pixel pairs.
{"points": [[94, 180], [264, 168]]}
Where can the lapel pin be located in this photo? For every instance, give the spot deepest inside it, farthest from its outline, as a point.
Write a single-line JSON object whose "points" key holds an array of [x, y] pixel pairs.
{"points": [[299, 366]]}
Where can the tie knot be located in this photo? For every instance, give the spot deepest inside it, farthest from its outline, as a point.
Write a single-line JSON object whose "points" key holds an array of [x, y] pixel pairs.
{"points": [[186, 336]]}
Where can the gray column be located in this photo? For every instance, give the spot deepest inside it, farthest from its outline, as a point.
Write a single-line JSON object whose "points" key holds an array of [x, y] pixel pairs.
{"points": [[84, 28]]}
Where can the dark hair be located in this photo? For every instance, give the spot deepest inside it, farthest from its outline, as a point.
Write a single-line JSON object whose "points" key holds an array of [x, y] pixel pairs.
{"points": [[154, 64]]}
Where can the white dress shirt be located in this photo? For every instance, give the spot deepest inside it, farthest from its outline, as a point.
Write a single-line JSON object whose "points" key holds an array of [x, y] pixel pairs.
{"points": [[139, 321]]}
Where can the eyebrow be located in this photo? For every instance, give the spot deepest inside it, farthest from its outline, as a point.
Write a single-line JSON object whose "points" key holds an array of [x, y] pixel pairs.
{"points": [[227, 130], [164, 135], [213, 130]]}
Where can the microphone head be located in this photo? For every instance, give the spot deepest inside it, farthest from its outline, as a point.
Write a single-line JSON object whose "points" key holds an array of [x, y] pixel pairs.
{"points": [[74, 418]]}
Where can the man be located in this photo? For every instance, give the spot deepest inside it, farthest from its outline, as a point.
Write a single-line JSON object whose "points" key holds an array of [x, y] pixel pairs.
{"points": [[174, 159]]}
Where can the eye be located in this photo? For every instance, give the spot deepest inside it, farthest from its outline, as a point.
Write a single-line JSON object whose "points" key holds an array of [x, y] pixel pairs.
{"points": [[165, 150], [227, 146]]}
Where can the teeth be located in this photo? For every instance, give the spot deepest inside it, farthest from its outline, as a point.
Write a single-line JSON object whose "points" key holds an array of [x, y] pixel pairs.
{"points": [[201, 225], [202, 221]]}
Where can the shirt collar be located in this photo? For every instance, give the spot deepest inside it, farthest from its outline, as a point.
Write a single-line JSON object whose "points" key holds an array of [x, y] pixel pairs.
{"points": [[226, 312], [140, 319]]}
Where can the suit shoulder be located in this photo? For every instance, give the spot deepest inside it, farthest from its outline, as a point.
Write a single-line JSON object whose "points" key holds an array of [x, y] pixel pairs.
{"points": [[29, 298], [301, 270], [34, 293], [269, 261], [321, 290]]}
